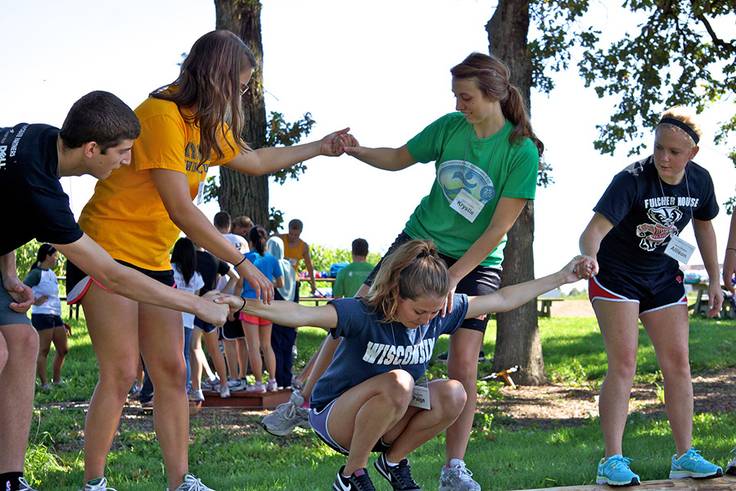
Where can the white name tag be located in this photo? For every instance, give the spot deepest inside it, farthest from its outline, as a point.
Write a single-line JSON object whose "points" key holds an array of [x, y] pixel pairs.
{"points": [[420, 395], [679, 249], [466, 205], [200, 193]]}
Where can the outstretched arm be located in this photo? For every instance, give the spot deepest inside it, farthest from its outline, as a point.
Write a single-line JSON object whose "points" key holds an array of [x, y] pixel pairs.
{"points": [[510, 297], [271, 159], [284, 313], [590, 242], [382, 158]]}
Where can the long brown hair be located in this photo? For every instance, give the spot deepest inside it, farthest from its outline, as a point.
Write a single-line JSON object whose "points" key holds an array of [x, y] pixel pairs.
{"points": [[492, 77], [413, 270], [209, 85]]}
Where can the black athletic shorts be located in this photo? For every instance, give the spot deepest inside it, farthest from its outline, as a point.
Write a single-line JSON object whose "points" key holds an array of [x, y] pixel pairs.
{"points": [[78, 282], [46, 321]]}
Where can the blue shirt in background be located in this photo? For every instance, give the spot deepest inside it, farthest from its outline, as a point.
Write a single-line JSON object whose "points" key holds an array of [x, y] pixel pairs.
{"points": [[266, 264]]}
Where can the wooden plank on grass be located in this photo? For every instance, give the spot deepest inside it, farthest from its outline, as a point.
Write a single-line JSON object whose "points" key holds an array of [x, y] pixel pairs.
{"points": [[722, 483]]}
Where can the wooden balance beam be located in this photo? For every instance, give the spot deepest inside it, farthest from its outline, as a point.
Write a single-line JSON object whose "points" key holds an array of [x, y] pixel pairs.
{"points": [[721, 483]]}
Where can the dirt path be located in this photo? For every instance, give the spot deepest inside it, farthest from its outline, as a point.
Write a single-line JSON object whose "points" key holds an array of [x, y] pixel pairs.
{"points": [[557, 405]]}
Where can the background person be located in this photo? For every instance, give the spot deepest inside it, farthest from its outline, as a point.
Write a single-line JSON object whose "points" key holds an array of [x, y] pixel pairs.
{"points": [[222, 223], [258, 330], [632, 247], [350, 278], [296, 250], [46, 313]]}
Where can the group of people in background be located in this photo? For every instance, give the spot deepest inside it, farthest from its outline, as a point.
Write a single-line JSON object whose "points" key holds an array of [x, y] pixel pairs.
{"points": [[366, 388]]}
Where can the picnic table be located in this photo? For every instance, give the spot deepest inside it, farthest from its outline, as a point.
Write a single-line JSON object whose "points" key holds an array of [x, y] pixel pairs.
{"points": [[700, 306]]}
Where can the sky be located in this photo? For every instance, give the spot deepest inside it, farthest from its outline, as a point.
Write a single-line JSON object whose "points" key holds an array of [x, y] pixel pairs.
{"points": [[380, 67]]}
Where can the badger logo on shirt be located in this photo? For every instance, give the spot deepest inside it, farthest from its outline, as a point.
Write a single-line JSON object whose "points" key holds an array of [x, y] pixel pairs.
{"points": [[654, 234]]}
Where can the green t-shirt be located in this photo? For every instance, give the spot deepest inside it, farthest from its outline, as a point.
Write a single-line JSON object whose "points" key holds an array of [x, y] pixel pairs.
{"points": [[350, 278], [474, 173]]}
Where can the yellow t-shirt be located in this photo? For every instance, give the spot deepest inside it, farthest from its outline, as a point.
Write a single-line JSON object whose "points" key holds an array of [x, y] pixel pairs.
{"points": [[126, 215], [294, 253]]}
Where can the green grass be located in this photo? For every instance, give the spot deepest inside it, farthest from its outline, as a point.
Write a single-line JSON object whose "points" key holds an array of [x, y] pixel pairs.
{"points": [[242, 457]]}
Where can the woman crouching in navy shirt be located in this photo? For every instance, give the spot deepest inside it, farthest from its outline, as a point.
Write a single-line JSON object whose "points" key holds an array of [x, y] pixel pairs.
{"points": [[632, 246], [374, 395]]}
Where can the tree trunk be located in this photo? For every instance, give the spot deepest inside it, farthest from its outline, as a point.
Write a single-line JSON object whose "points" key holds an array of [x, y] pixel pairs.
{"points": [[517, 337], [240, 194]]}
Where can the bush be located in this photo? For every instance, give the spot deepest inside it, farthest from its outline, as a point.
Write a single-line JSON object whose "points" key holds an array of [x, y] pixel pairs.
{"points": [[324, 257], [25, 256]]}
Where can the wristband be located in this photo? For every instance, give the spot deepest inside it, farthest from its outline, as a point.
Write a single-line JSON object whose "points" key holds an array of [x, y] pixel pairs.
{"points": [[239, 262], [241, 308]]}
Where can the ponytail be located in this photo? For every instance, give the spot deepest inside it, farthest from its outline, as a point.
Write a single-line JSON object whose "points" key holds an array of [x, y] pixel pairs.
{"points": [[414, 269]]}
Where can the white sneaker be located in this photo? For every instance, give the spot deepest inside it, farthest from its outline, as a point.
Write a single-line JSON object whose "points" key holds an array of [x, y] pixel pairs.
{"points": [[196, 396], [23, 485], [99, 484], [191, 483], [282, 420], [236, 385], [257, 388], [224, 391], [272, 386], [457, 477]]}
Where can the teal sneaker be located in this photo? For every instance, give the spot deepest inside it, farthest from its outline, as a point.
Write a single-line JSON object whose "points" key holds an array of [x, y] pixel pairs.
{"points": [[692, 464], [615, 471]]}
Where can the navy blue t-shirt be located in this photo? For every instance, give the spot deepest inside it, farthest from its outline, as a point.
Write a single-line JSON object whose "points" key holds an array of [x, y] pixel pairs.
{"points": [[646, 211], [371, 347], [30, 192]]}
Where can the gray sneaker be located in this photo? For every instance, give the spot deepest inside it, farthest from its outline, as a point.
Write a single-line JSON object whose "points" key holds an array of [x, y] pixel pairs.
{"points": [[282, 420], [731, 467], [457, 477], [191, 483], [99, 484], [23, 485]]}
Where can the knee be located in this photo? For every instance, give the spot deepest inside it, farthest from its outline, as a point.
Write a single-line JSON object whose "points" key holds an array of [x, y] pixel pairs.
{"points": [[622, 368], [676, 365], [61, 351], [463, 367], [169, 372], [26, 345], [452, 398], [43, 352], [398, 389], [119, 376]]}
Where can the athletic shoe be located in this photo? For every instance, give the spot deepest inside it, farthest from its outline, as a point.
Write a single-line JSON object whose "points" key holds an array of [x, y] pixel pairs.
{"points": [[257, 388], [210, 384], [196, 396], [224, 391], [23, 485], [99, 484], [457, 477], [399, 476], [236, 385], [287, 416], [731, 467], [272, 386], [615, 471], [191, 483], [692, 464], [358, 481]]}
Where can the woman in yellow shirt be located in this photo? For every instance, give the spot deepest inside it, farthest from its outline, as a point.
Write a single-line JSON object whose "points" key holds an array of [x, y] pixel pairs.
{"points": [[137, 214]]}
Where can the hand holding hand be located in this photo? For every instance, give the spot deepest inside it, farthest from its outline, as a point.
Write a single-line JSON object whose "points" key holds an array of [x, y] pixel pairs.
{"points": [[333, 145]]}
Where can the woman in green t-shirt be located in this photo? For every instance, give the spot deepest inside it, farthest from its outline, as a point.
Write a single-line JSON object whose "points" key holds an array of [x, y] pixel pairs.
{"points": [[486, 158]]}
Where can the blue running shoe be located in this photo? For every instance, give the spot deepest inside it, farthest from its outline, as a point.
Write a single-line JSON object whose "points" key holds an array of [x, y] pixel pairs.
{"points": [[615, 471], [692, 464]]}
